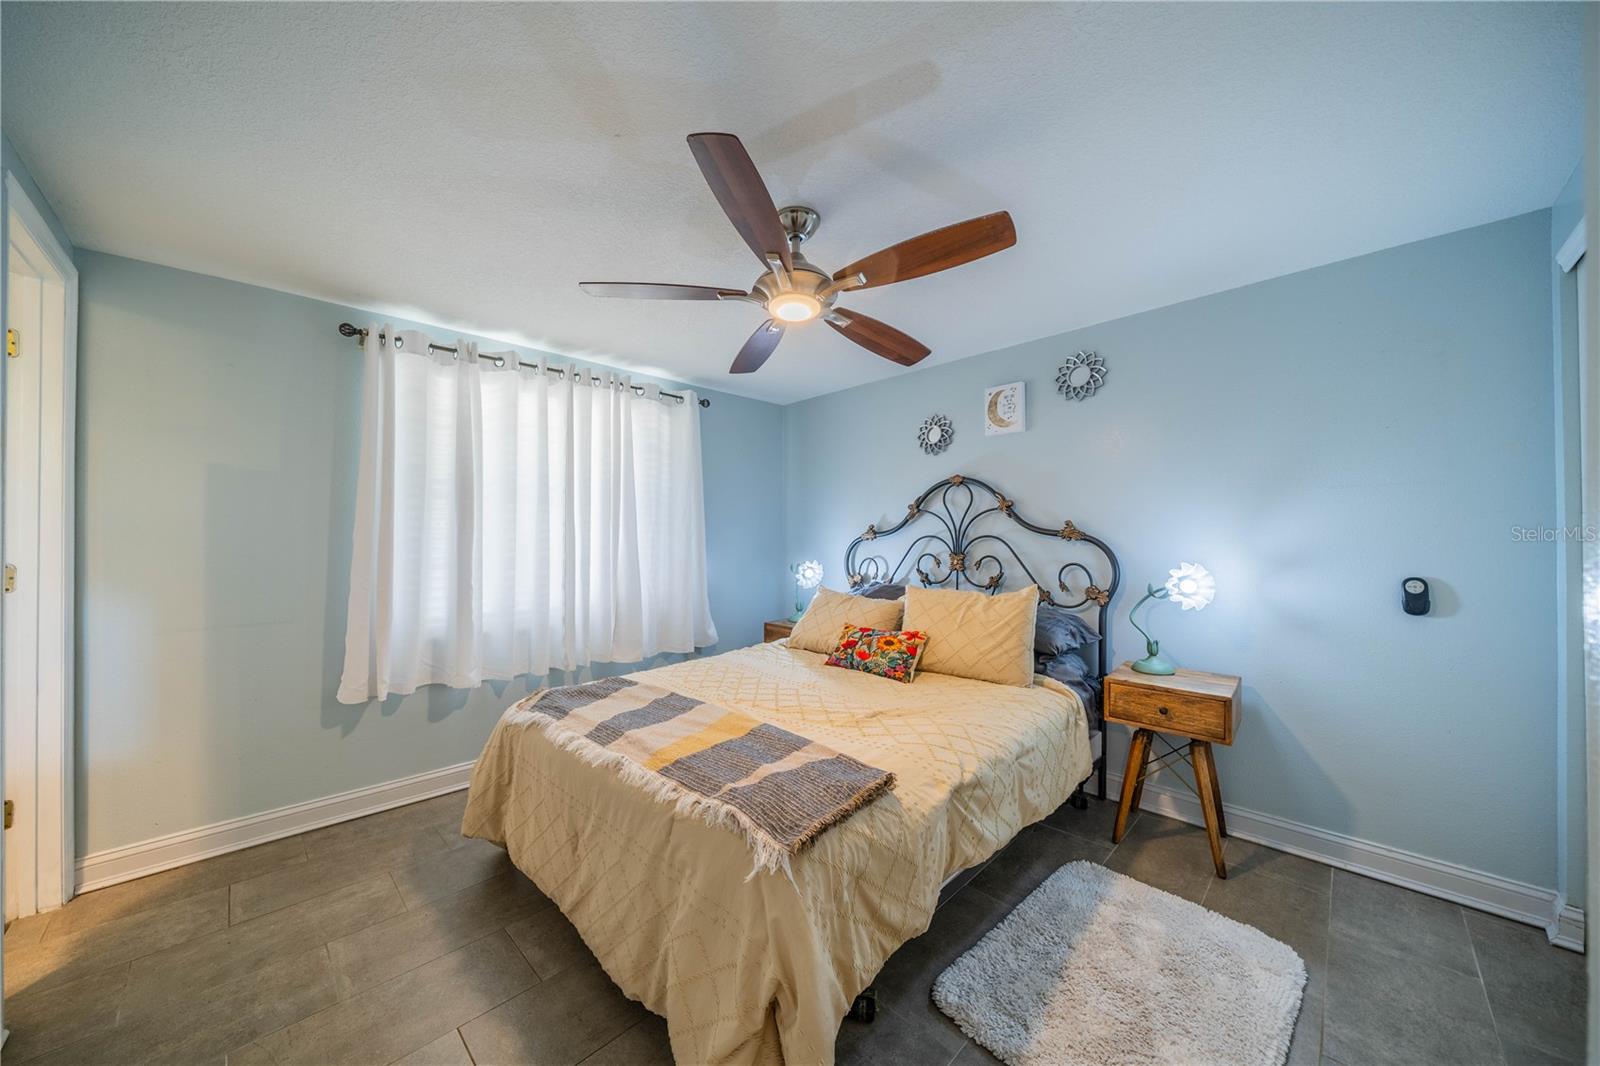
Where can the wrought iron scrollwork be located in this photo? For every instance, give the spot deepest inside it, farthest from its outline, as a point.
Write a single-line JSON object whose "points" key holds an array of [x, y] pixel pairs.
{"points": [[867, 571], [950, 549]]}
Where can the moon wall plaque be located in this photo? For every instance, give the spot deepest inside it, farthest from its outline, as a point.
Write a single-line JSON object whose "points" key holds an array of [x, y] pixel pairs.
{"points": [[1005, 409]]}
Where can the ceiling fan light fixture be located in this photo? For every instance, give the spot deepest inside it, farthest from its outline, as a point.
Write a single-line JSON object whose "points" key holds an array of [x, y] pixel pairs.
{"points": [[794, 307]]}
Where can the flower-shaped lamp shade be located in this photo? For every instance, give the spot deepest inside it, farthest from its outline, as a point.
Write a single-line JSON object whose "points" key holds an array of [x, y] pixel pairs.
{"points": [[808, 575], [1191, 586]]}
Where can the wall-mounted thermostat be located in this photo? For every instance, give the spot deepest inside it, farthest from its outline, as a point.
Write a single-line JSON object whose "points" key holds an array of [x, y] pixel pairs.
{"points": [[1414, 595]]}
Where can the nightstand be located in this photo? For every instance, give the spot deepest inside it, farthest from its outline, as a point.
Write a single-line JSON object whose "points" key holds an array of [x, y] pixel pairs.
{"points": [[776, 630], [1190, 703]]}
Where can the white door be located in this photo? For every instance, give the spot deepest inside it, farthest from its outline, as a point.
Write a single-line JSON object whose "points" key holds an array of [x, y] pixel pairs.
{"points": [[36, 634], [20, 601]]}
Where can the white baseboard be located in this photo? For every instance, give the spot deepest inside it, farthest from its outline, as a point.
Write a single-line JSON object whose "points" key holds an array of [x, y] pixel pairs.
{"points": [[1566, 931], [115, 865], [1520, 902]]}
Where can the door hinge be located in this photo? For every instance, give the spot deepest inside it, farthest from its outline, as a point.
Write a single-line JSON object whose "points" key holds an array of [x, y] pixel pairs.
{"points": [[10, 579], [10, 810], [11, 343]]}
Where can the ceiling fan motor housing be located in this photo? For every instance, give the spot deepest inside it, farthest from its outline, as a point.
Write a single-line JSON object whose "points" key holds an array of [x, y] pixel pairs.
{"points": [[805, 279], [799, 222]]}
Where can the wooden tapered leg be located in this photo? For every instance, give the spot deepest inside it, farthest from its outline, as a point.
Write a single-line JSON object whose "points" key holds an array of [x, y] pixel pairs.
{"points": [[1145, 752], [1205, 776], [1216, 790], [1132, 781]]}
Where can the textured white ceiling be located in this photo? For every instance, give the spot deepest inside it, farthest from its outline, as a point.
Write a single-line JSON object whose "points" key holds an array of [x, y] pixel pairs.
{"points": [[469, 165]]}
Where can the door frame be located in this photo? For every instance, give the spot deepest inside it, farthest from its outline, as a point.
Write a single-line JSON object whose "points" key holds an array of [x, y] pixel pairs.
{"points": [[43, 534]]}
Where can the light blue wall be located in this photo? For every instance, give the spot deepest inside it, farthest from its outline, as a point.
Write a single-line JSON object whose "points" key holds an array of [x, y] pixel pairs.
{"points": [[1405, 403], [1317, 438], [1571, 846], [216, 469]]}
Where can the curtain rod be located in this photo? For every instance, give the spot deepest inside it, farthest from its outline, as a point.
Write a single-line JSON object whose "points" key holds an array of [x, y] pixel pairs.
{"points": [[348, 330]]}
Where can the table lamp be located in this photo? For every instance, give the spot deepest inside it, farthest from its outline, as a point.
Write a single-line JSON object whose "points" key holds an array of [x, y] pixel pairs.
{"points": [[1191, 587], [807, 575]]}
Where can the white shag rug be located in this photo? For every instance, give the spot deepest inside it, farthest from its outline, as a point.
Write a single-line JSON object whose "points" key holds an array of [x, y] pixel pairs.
{"points": [[1097, 968]]}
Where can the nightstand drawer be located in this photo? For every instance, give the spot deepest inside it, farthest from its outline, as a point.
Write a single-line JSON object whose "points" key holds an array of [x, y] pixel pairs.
{"points": [[1169, 711], [776, 631]]}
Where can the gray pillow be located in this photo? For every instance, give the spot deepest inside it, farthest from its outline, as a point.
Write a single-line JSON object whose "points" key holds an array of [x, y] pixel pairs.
{"points": [[1071, 670], [881, 591], [1057, 630], [1068, 668]]}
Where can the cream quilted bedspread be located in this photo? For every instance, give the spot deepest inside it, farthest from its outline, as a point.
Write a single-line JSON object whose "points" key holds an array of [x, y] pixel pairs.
{"points": [[763, 970]]}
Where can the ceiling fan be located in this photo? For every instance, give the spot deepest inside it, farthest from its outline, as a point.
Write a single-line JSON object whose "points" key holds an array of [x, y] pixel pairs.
{"points": [[793, 290]]}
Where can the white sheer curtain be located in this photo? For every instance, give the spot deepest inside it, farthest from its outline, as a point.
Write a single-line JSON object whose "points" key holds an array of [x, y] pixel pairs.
{"points": [[509, 521]]}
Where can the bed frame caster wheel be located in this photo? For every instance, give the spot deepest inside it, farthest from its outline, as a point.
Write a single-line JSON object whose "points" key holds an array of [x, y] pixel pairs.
{"points": [[1079, 801], [865, 1008]]}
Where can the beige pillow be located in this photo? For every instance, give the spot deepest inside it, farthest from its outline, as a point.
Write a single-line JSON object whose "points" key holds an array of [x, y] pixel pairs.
{"points": [[819, 628], [974, 634]]}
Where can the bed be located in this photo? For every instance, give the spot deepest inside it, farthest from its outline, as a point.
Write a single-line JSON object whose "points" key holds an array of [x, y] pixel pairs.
{"points": [[762, 968]]}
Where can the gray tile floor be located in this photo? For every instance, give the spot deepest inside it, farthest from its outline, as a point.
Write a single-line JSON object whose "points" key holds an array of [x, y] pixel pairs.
{"points": [[392, 940]]}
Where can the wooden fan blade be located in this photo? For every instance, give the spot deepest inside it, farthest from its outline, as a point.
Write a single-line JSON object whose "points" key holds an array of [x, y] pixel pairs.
{"points": [[757, 348], [644, 290], [932, 252], [879, 338], [738, 187]]}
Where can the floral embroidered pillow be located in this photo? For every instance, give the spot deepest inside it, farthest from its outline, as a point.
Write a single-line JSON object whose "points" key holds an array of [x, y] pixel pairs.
{"points": [[885, 652]]}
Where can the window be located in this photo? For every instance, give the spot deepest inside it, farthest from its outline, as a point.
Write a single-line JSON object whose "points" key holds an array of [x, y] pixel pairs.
{"points": [[509, 520]]}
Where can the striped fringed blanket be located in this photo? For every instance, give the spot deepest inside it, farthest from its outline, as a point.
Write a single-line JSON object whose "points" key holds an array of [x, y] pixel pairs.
{"points": [[720, 765]]}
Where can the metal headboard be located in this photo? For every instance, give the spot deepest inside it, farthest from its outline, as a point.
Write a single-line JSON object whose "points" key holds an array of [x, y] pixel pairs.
{"points": [[954, 533]]}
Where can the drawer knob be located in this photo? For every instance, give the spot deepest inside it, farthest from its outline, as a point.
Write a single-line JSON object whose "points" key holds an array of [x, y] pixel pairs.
{"points": [[1163, 710]]}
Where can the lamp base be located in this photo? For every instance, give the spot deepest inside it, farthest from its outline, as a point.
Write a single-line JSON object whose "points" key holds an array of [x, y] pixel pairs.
{"points": [[1155, 664]]}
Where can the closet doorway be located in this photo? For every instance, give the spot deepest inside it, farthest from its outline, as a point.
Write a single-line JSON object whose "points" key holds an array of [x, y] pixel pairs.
{"points": [[36, 546]]}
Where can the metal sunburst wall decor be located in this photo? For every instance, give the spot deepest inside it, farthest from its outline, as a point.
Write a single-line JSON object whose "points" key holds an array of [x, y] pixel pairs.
{"points": [[935, 434], [1081, 375]]}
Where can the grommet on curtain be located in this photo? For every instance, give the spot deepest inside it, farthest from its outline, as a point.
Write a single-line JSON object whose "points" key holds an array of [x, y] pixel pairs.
{"points": [[652, 391], [411, 340]]}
